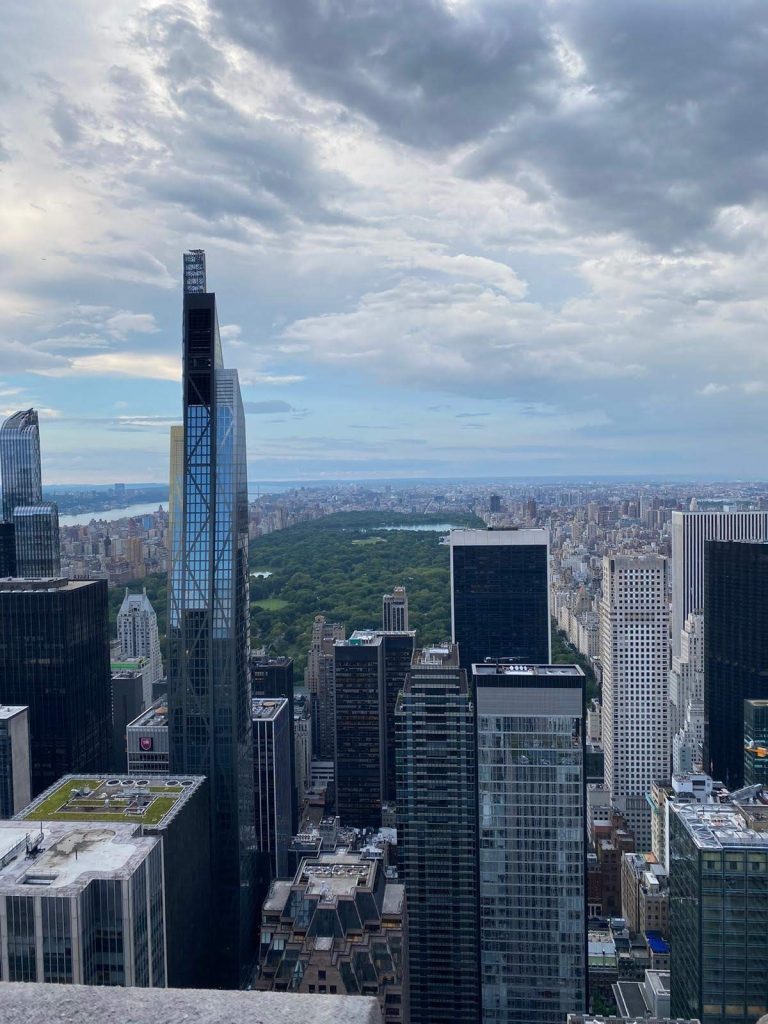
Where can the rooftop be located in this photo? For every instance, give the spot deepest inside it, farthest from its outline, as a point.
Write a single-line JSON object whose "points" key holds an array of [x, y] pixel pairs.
{"points": [[266, 709], [11, 710], [361, 638], [510, 668], [62, 1004], [720, 826], [59, 856], [443, 654], [335, 875], [493, 538], [112, 798], [22, 585], [155, 717]]}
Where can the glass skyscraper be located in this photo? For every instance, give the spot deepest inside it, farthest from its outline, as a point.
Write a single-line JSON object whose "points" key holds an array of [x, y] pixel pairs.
{"points": [[20, 462], [531, 803], [36, 529], [500, 595], [437, 837], [209, 691]]}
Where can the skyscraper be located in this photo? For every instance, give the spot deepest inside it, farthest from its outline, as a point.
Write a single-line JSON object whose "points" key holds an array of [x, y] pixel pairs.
{"points": [[532, 836], [690, 531], [394, 617], [735, 649], [36, 529], [7, 550], [437, 837], [15, 775], [500, 595], [209, 690], [634, 622], [54, 657], [318, 678], [138, 634], [398, 652], [756, 743], [273, 785], [273, 677], [20, 462], [686, 698]]}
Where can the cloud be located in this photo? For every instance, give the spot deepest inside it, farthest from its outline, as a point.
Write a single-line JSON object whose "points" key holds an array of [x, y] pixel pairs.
{"points": [[712, 389], [276, 405], [139, 365], [124, 323]]}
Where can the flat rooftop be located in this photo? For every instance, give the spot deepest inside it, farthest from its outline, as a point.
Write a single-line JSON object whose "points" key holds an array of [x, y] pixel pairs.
{"points": [[361, 638], [720, 826], [511, 668], [112, 798], [335, 874], [264, 709], [497, 538], [8, 711], [58, 856], [441, 654], [46, 584], [62, 1004], [155, 717]]}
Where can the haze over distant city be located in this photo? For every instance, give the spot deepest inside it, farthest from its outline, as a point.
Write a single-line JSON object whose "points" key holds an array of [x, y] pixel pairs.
{"points": [[447, 238]]}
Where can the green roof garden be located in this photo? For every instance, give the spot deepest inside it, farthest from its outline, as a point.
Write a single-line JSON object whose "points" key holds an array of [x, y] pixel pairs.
{"points": [[109, 798]]}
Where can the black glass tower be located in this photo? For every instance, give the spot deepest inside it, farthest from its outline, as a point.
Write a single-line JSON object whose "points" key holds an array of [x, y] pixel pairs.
{"points": [[209, 690], [20, 462], [36, 530], [398, 651], [437, 837], [735, 649], [54, 657], [500, 595], [7, 550], [273, 677]]}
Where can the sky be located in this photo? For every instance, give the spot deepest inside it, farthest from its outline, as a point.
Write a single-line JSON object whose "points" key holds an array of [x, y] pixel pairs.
{"points": [[447, 237]]}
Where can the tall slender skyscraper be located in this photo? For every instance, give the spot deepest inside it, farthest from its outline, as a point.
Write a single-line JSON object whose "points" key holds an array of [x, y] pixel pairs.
{"points": [[500, 595], [532, 814], [20, 462], [209, 691], [634, 623], [394, 608], [138, 634]]}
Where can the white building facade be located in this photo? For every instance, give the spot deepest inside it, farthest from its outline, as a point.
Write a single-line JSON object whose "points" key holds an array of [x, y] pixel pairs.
{"points": [[137, 632]]}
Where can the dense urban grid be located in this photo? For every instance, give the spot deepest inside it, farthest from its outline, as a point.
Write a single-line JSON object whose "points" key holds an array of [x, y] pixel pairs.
{"points": [[549, 810]]}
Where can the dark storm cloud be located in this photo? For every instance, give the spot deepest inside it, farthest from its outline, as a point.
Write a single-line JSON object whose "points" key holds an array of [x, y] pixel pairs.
{"points": [[425, 75]]}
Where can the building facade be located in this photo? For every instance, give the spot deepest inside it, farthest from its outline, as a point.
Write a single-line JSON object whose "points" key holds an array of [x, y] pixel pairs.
{"points": [[394, 611], [209, 689], [735, 649], [54, 658], [500, 595], [272, 676], [15, 764], [756, 743], [398, 652], [532, 835], [36, 532], [272, 784], [147, 741], [20, 462], [437, 837], [690, 532], [634, 624], [138, 634], [686, 698], [7, 550], [318, 678]]}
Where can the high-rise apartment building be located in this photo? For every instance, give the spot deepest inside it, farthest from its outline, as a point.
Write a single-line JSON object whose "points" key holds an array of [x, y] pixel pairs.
{"points": [[20, 462], [686, 698], [273, 785], [360, 730], [736, 649], [138, 634], [339, 927], [437, 837], [54, 657], [532, 836], [690, 531], [500, 595], [398, 652], [634, 624], [272, 676], [15, 774], [209, 689], [36, 532], [719, 906], [318, 678], [394, 616]]}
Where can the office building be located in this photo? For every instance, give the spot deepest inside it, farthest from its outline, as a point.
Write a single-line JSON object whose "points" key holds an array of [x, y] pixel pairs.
{"points": [[437, 837], [735, 649], [273, 787], [500, 595], [15, 765], [7, 550], [61, 1004], [318, 679], [634, 623], [147, 741], [20, 462], [756, 743], [394, 615], [273, 677], [138, 633], [398, 652], [532, 831], [209, 687], [36, 530], [360, 729], [173, 812], [54, 658], [339, 927], [690, 532], [686, 698], [302, 748], [131, 694], [719, 906]]}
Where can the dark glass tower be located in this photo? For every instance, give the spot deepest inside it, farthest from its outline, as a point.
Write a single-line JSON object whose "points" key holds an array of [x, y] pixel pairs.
{"points": [[7, 550], [398, 652], [437, 837], [36, 529], [500, 595], [209, 690], [20, 462], [273, 677], [54, 657], [735, 649]]}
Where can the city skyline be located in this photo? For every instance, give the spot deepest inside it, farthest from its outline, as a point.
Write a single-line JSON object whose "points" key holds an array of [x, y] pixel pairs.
{"points": [[532, 241]]}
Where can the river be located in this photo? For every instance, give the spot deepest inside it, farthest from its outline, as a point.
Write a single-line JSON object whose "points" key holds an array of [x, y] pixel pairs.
{"points": [[109, 515]]}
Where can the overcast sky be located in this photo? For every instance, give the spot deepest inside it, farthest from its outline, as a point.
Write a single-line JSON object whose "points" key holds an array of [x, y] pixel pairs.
{"points": [[447, 237]]}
